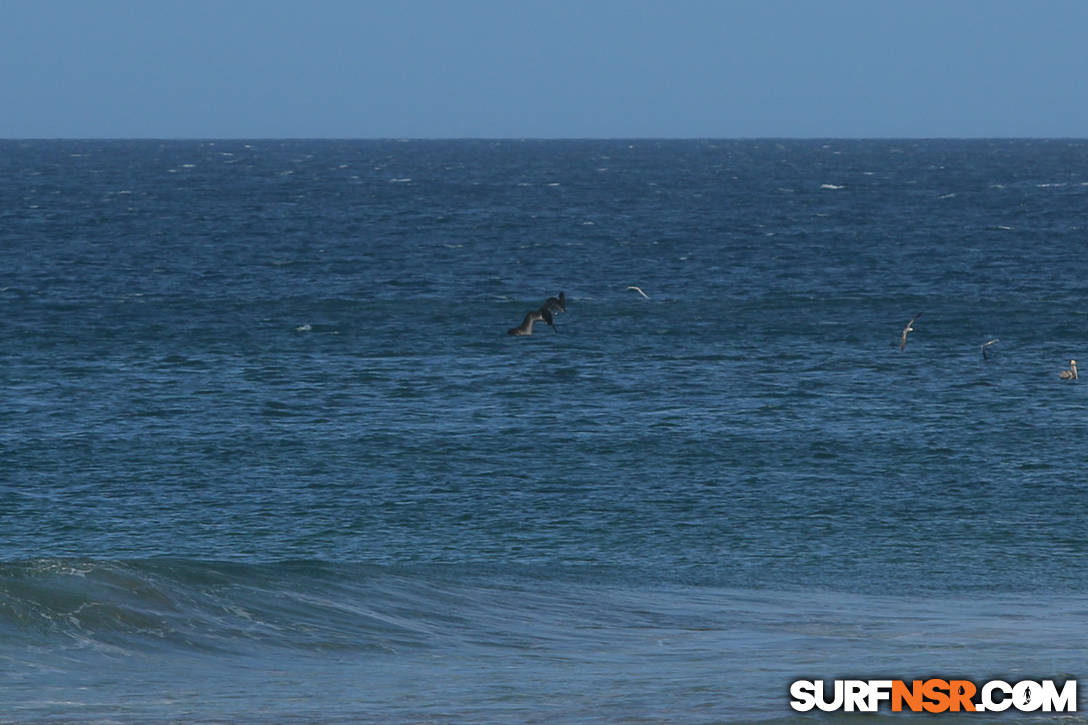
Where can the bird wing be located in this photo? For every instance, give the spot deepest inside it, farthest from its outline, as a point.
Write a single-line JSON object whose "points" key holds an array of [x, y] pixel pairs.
{"points": [[908, 328], [546, 315]]}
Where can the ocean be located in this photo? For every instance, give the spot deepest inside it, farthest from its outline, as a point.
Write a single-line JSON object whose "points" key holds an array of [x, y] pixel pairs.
{"points": [[267, 453]]}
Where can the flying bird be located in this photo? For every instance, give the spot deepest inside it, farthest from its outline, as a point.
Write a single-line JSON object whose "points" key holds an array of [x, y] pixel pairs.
{"points": [[636, 289], [1071, 373], [557, 304], [986, 345], [526, 326], [544, 312], [908, 328]]}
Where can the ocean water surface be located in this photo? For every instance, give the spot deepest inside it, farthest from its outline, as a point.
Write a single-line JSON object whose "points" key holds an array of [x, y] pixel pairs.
{"points": [[268, 455]]}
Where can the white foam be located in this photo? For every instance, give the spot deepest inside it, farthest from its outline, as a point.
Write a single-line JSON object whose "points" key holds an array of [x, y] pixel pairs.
{"points": [[831, 186]]}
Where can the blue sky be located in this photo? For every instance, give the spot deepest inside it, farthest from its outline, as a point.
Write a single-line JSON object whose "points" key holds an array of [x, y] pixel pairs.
{"points": [[544, 69]]}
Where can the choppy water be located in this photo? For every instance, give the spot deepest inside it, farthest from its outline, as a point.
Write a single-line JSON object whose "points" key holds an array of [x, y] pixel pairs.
{"points": [[266, 453]]}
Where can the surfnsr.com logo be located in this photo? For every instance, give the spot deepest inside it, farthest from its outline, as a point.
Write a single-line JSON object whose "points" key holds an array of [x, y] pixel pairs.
{"points": [[933, 696]]}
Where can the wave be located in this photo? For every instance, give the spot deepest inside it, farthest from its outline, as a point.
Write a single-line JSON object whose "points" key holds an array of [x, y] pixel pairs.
{"points": [[180, 639], [216, 606], [319, 605], [138, 605]]}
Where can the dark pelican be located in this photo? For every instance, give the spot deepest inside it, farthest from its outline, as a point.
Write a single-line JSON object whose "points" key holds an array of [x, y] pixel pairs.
{"points": [[1071, 373], [526, 326], [908, 328], [556, 304]]}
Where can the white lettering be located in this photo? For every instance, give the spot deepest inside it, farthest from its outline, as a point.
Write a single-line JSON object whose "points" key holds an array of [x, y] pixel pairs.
{"points": [[879, 690], [803, 693], [835, 703], [988, 702], [1064, 701], [1027, 696], [993, 696], [855, 695]]}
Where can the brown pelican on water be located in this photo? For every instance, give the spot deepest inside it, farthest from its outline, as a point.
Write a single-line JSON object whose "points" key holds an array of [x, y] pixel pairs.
{"points": [[1071, 373], [908, 328]]}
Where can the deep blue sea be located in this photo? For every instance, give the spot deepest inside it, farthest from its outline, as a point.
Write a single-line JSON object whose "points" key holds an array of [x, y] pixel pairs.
{"points": [[267, 453]]}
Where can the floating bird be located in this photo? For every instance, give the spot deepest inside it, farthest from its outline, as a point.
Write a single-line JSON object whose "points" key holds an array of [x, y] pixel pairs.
{"points": [[986, 345], [908, 328], [1071, 373], [636, 289]]}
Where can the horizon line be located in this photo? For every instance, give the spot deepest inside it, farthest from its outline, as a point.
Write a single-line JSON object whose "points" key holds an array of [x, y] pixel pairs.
{"points": [[542, 138]]}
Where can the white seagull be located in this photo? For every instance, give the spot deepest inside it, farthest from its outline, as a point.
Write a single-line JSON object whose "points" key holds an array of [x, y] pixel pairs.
{"points": [[636, 289], [908, 328]]}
